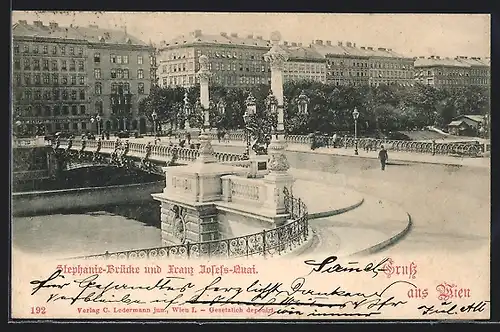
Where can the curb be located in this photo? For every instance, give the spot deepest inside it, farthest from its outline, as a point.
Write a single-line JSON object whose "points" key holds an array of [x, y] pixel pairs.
{"points": [[330, 213], [386, 243], [312, 239]]}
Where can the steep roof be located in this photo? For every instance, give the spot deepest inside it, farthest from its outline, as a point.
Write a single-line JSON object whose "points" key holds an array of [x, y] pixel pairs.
{"points": [[197, 37], [92, 34], [300, 52], [352, 50]]}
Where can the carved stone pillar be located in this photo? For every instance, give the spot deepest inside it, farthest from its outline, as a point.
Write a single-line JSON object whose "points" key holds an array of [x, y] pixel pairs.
{"points": [[206, 150], [277, 58]]}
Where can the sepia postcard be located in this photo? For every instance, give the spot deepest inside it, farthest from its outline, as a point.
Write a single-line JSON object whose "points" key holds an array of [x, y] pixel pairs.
{"points": [[256, 166]]}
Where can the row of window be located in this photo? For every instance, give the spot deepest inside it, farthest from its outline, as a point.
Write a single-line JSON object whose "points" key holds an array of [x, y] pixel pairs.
{"points": [[50, 65], [118, 59], [56, 110], [119, 88], [49, 79], [318, 78], [118, 73], [44, 49], [51, 94], [376, 65]]}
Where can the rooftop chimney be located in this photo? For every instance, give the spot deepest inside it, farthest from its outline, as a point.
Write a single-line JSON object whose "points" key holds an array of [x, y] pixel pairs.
{"points": [[53, 25], [370, 48], [421, 57], [431, 57], [23, 22], [381, 49], [319, 42], [438, 57], [223, 34], [294, 44], [348, 44], [197, 33], [38, 23], [235, 35], [362, 47], [329, 42], [259, 37], [353, 44], [339, 43], [285, 43]]}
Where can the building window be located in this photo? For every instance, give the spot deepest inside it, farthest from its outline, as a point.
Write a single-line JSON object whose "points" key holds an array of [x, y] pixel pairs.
{"points": [[46, 79], [82, 94], [27, 94], [82, 80], [55, 94], [83, 124], [37, 78], [97, 73], [65, 95], [139, 59], [66, 126], [64, 80], [126, 88], [63, 65], [38, 94], [113, 73], [82, 110], [36, 64], [18, 80], [71, 50], [74, 111], [27, 79], [98, 88], [17, 64], [125, 73], [98, 107], [119, 73], [57, 111], [81, 66], [45, 49], [125, 59], [97, 57], [65, 110], [140, 88], [54, 50], [16, 48], [26, 49], [63, 50], [80, 51], [73, 94], [54, 65], [73, 80], [140, 73], [35, 49], [119, 59], [72, 65], [112, 58]]}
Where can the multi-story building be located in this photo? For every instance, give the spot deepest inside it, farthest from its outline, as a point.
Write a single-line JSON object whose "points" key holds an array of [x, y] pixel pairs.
{"points": [[351, 65], [452, 73], [234, 61], [64, 76], [303, 63]]}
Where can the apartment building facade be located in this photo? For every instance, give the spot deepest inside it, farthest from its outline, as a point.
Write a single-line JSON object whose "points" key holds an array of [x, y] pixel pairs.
{"points": [[348, 64], [452, 73], [64, 76], [303, 63]]}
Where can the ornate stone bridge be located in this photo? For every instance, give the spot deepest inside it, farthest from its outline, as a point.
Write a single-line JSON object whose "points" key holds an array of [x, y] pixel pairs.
{"points": [[148, 157]]}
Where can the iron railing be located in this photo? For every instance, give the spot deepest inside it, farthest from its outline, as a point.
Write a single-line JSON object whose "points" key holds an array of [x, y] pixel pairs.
{"points": [[271, 242]]}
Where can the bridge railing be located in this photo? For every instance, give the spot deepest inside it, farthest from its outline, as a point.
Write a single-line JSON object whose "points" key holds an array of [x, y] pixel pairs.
{"points": [[271, 242], [158, 152]]}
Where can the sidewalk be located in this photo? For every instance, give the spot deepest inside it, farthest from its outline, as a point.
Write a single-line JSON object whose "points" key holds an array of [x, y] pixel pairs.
{"points": [[393, 155]]}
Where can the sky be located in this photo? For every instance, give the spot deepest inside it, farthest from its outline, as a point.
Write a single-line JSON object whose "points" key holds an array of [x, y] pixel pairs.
{"points": [[446, 35]]}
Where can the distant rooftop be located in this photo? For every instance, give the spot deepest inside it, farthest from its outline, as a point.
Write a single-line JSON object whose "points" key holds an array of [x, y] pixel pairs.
{"points": [[349, 48], [301, 52], [459, 61], [92, 33], [198, 37]]}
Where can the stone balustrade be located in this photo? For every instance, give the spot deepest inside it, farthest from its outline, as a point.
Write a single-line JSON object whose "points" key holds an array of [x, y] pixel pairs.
{"points": [[29, 142], [239, 189]]}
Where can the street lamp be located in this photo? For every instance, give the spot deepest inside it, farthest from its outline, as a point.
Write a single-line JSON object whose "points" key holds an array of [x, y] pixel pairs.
{"points": [[153, 116], [272, 106], [355, 115], [251, 110], [98, 119]]}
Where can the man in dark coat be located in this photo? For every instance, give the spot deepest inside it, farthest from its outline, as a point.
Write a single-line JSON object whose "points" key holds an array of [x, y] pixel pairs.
{"points": [[383, 157]]}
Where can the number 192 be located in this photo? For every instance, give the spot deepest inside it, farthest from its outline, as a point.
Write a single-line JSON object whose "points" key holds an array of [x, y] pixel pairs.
{"points": [[38, 310]]}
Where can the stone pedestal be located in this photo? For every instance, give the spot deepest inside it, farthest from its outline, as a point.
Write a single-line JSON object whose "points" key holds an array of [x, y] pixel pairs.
{"points": [[275, 183], [258, 166]]}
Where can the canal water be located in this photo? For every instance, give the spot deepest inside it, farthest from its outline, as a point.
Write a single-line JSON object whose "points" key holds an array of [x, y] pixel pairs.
{"points": [[78, 232]]}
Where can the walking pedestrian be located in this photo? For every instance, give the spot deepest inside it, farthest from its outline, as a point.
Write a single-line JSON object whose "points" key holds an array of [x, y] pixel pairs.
{"points": [[383, 157]]}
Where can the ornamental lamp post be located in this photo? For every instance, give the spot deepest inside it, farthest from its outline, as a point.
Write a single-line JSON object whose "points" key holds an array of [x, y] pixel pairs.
{"points": [[355, 115], [246, 118], [92, 120], [251, 110], [154, 116], [98, 119], [272, 106], [221, 109]]}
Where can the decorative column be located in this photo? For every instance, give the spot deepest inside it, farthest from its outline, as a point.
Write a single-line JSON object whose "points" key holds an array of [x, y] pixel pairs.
{"points": [[278, 165], [206, 150]]}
